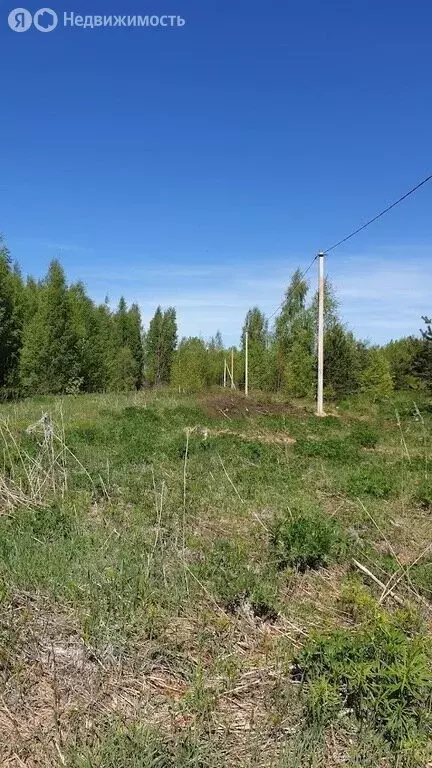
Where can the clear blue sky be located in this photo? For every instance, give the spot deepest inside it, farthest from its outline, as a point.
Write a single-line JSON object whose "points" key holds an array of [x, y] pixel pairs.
{"points": [[199, 166]]}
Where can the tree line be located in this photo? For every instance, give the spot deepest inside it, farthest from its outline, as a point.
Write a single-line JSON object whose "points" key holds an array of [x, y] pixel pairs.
{"points": [[55, 339]]}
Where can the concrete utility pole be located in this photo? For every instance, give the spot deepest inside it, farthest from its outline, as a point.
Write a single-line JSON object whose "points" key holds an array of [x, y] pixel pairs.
{"points": [[246, 363], [225, 373], [320, 395], [232, 369]]}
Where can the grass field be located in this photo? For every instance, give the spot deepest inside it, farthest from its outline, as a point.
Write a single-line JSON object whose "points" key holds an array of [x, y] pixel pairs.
{"points": [[208, 581]]}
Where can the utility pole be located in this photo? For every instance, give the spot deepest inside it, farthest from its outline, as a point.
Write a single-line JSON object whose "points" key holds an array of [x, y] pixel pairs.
{"points": [[225, 372], [246, 363], [320, 395], [232, 369]]}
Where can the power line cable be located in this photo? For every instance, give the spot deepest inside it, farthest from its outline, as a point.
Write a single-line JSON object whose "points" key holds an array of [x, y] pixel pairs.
{"points": [[359, 229], [301, 278], [379, 215]]}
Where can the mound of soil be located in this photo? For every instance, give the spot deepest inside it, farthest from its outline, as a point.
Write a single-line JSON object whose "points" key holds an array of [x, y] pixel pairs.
{"points": [[235, 405]]}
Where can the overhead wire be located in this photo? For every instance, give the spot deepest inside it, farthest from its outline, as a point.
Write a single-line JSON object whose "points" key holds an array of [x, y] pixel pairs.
{"points": [[379, 215], [303, 274], [359, 229]]}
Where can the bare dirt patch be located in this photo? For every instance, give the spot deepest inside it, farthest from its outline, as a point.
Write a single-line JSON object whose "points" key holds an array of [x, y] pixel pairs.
{"points": [[269, 438], [54, 687], [236, 406], [55, 690]]}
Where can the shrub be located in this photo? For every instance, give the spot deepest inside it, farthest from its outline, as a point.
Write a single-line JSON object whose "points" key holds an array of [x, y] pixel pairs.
{"points": [[311, 540], [334, 449], [138, 746], [123, 371], [234, 580], [382, 674], [140, 416], [186, 415], [371, 479], [48, 523], [364, 435], [376, 380], [424, 493], [421, 578], [356, 600]]}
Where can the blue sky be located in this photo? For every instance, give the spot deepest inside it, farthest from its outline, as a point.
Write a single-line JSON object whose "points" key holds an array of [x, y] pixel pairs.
{"points": [[198, 166]]}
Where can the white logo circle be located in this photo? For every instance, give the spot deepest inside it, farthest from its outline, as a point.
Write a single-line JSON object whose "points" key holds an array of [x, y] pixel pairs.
{"points": [[45, 20], [20, 19]]}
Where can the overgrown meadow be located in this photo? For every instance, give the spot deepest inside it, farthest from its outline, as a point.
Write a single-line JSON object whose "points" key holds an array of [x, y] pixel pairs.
{"points": [[214, 581]]}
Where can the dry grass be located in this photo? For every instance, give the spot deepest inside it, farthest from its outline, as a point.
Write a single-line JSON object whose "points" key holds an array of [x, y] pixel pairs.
{"points": [[57, 690], [115, 614], [29, 479], [267, 438]]}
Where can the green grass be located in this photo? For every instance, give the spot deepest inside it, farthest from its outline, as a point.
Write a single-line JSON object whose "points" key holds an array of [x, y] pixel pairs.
{"points": [[190, 560], [381, 673], [140, 747], [307, 540]]}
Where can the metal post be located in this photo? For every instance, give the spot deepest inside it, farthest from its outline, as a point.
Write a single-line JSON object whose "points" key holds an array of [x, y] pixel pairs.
{"points": [[320, 394], [246, 363], [232, 369]]}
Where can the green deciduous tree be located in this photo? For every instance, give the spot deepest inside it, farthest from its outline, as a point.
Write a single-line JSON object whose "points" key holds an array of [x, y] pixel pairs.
{"points": [[92, 370], [256, 325], [342, 358], [215, 356], [376, 380], [127, 332], [422, 362], [330, 306], [190, 369], [295, 341], [135, 340], [10, 322], [50, 359], [30, 299], [299, 372], [160, 345], [341, 368], [122, 371], [53, 338], [154, 349], [402, 355]]}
